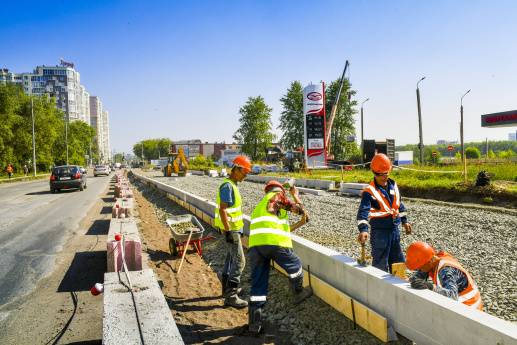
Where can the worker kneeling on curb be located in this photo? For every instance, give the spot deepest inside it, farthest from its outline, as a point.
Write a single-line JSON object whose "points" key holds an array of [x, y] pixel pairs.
{"points": [[228, 218], [449, 278], [382, 210], [270, 239]]}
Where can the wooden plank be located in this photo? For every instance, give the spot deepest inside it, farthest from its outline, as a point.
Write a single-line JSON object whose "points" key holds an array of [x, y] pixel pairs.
{"points": [[369, 320], [199, 213]]}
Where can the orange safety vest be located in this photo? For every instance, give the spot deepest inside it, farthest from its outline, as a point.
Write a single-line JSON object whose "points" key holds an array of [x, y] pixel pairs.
{"points": [[385, 209], [470, 295]]}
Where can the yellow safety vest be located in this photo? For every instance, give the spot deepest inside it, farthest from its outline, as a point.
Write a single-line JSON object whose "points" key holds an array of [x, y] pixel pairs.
{"points": [[234, 213], [269, 229]]}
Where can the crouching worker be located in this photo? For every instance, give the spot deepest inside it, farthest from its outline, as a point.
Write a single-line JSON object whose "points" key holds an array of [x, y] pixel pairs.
{"points": [[449, 278], [270, 239], [228, 218]]}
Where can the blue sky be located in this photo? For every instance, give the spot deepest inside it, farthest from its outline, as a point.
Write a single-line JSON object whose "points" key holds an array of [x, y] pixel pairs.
{"points": [[182, 69]]}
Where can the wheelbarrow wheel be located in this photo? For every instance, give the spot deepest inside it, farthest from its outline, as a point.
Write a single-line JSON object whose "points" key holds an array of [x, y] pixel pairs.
{"points": [[173, 247]]}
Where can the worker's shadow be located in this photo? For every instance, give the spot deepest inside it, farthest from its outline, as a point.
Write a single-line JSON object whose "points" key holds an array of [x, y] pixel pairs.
{"points": [[86, 269], [184, 306]]}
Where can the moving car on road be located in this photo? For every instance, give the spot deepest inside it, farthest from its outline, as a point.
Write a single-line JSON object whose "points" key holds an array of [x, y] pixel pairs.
{"points": [[101, 170], [67, 177]]}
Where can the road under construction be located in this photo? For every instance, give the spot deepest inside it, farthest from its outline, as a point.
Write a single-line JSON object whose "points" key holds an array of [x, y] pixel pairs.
{"points": [[380, 303]]}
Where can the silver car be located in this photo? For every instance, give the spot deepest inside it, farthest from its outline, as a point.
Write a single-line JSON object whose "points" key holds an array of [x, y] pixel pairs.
{"points": [[101, 170]]}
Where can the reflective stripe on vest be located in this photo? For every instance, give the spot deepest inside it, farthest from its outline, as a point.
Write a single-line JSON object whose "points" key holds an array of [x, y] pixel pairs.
{"points": [[234, 213], [269, 229], [470, 295], [385, 210]]}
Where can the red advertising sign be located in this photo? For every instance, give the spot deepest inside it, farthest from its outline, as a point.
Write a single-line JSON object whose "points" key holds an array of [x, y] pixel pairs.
{"points": [[450, 148]]}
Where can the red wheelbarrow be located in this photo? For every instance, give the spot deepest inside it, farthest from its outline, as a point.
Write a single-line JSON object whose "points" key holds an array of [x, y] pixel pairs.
{"points": [[179, 239]]}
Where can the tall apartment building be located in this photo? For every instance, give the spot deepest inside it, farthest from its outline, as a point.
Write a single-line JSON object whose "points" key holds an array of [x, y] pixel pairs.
{"points": [[64, 83], [99, 120], [106, 134]]}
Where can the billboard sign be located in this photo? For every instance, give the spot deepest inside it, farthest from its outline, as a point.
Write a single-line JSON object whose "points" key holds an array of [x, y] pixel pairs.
{"points": [[314, 125], [504, 119]]}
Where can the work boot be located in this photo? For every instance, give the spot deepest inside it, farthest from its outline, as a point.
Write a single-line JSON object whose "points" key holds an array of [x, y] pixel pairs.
{"points": [[235, 301], [223, 278], [302, 295], [254, 320]]}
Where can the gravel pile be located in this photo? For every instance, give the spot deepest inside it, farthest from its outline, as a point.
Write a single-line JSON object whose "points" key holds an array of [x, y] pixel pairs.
{"points": [[311, 322], [485, 241]]}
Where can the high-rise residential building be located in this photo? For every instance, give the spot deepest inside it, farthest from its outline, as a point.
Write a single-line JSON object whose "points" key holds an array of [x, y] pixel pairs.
{"points": [[106, 134], [9, 77], [99, 120], [64, 83]]}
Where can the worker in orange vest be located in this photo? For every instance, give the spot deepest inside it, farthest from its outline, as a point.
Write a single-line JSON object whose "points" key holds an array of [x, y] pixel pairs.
{"points": [[381, 211], [449, 278]]}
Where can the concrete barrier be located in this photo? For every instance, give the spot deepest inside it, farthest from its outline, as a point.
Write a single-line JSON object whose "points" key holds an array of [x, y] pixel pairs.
{"points": [[307, 183], [139, 318], [420, 315], [123, 208], [132, 245], [352, 188], [197, 172]]}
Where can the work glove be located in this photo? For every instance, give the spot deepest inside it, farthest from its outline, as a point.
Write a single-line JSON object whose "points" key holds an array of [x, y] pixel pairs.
{"points": [[420, 284], [229, 236]]}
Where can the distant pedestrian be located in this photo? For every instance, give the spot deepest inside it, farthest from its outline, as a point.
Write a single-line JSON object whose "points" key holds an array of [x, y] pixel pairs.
{"points": [[25, 169], [9, 170]]}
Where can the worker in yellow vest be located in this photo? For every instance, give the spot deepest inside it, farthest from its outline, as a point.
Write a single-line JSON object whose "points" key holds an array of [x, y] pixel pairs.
{"points": [[448, 277], [228, 218], [270, 239]]}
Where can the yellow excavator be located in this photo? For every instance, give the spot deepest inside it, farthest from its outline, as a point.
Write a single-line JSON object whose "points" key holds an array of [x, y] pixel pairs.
{"points": [[177, 163]]}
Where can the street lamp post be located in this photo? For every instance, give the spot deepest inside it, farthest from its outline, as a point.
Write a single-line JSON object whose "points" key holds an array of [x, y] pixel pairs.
{"points": [[33, 140], [362, 131], [461, 138], [420, 143], [66, 137]]}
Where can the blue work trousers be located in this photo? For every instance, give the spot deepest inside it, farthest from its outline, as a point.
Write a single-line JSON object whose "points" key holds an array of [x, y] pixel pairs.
{"points": [[235, 260], [386, 248], [260, 261]]}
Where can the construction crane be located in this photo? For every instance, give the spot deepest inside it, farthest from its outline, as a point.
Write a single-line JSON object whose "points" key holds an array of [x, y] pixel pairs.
{"points": [[334, 110]]}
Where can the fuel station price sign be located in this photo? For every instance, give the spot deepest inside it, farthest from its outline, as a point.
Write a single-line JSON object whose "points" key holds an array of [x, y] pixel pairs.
{"points": [[314, 125]]}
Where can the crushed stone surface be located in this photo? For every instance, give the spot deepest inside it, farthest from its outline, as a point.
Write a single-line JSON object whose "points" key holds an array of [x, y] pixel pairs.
{"points": [[484, 241]]}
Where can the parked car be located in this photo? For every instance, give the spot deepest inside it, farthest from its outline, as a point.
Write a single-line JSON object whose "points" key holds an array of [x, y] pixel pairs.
{"points": [[101, 170], [67, 177]]}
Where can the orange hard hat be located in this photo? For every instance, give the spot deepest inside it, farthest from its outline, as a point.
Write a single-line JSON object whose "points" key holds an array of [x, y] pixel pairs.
{"points": [[273, 184], [380, 164], [418, 254], [243, 162]]}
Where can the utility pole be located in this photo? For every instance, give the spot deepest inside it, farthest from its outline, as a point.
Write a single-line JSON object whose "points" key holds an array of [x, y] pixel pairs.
{"points": [[362, 131], [486, 149], [33, 140], [142, 147], [66, 137], [462, 143], [420, 143]]}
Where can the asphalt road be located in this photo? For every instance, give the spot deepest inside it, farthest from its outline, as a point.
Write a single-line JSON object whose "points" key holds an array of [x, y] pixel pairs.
{"points": [[34, 225]]}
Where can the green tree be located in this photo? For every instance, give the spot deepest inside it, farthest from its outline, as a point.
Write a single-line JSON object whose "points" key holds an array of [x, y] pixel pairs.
{"points": [[507, 154], [472, 153], [491, 154], [255, 131], [343, 125], [291, 118], [152, 148]]}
